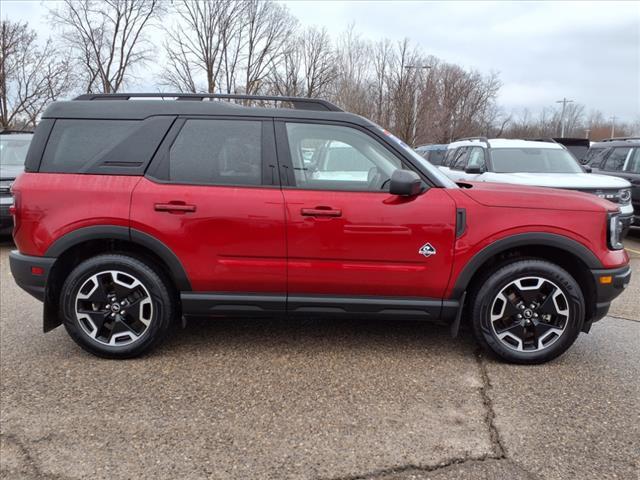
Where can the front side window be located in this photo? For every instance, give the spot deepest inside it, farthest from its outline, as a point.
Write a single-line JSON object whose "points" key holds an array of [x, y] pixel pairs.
{"points": [[594, 156], [476, 158], [332, 157], [460, 160], [533, 160], [616, 160], [217, 152]]}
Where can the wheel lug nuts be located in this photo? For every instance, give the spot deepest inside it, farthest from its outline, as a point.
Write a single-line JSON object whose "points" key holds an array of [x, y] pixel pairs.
{"points": [[521, 307], [519, 316], [123, 312], [122, 302], [113, 314]]}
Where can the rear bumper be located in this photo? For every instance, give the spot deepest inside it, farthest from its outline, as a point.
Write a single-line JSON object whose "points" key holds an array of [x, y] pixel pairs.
{"points": [[607, 292], [31, 273]]}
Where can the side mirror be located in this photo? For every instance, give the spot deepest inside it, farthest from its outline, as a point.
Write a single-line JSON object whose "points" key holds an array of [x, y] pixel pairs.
{"points": [[473, 169], [405, 183], [587, 168]]}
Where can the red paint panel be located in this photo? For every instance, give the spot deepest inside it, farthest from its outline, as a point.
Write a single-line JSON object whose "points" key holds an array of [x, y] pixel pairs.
{"points": [[233, 241], [54, 204], [372, 247]]}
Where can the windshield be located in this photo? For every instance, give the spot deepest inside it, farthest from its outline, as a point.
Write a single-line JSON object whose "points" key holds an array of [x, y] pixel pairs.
{"points": [[421, 162], [13, 151], [533, 160]]}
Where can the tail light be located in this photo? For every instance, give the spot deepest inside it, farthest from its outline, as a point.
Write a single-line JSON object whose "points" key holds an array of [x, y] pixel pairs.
{"points": [[14, 210]]}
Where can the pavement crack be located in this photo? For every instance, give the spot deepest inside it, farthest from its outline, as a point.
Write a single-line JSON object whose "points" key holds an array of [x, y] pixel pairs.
{"points": [[617, 317], [28, 461], [490, 416]]}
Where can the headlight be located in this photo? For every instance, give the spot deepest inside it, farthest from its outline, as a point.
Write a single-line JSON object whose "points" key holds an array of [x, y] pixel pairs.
{"points": [[615, 232], [624, 196]]}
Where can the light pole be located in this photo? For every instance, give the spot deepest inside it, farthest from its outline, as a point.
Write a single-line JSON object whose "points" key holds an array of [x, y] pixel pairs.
{"points": [[564, 102], [613, 126], [418, 69]]}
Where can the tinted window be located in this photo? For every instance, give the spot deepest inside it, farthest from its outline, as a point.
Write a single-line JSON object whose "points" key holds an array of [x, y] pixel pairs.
{"points": [[616, 159], [533, 160], [217, 152], [331, 157], [435, 157], [75, 144], [594, 156], [459, 162]]}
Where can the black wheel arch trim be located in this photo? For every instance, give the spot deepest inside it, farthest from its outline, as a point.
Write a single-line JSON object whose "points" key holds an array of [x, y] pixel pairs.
{"points": [[117, 232], [534, 239]]}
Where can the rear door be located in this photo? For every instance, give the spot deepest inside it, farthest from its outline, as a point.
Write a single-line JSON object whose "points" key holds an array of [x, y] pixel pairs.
{"points": [[346, 235], [212, 196]]}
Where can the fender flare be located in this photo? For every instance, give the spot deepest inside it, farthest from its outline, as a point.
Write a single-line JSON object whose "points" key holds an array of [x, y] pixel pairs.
{"points": [[116, 232], [535, 239]]}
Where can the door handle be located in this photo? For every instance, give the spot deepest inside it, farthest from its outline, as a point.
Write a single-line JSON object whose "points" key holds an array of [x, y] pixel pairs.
{"points": [[174, 207], [321, 211]]}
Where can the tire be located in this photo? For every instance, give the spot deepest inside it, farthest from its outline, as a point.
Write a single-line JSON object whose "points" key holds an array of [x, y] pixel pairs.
{"points": [[527, 311], [94, 299]]}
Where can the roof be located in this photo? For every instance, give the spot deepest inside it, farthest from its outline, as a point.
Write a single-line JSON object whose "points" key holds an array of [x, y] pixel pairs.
{"points": [[435, 146], [627, 142], [504, 143], [141, 109]]}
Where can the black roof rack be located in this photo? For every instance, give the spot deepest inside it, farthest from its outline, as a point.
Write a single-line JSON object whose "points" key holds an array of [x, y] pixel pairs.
{"points": [[541, 139], [619, 139], [482, 139], [299, 103], [10, 131]]}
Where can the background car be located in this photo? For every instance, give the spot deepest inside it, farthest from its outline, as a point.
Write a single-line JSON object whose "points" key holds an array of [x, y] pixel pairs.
{"points": [[13, 151], [433, 153], [620, 158], [534, 163]]}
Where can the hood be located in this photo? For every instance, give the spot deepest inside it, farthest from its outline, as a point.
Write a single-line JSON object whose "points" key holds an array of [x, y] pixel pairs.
{"points": [[517, 196], [10, 172], [576, 181]]}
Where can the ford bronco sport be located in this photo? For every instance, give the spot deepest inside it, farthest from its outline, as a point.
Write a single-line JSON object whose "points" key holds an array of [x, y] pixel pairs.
{"points": [[132, 214]]}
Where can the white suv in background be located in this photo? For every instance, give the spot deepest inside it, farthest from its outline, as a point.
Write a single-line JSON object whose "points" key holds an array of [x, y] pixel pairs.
{"points": [[534, 163]]}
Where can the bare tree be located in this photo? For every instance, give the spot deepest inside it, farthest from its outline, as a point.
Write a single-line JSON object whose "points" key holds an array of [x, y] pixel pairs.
{"points": [[30, 75], [318, 62], [107, 38], [269, 25]]}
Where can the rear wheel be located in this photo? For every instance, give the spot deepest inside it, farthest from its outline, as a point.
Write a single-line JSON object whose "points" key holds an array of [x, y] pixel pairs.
{"points": [[116, 306], [528, 311]]}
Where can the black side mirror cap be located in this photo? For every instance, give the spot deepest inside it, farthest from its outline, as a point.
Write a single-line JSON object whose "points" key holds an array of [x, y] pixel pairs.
{"points": [[405, 183], [474, 169]]}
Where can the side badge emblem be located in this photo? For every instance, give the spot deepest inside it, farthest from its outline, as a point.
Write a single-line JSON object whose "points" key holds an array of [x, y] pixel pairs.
{"points": [[427, 250]]}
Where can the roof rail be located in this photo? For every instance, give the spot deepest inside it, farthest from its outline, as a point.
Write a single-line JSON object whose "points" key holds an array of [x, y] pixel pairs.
{"points": [[482, 139], [10, 131], [619, 139], [299, 103], [541, 139]]}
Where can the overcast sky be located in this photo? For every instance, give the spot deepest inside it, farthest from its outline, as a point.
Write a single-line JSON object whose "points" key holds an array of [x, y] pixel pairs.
{"points": [[543, 51]]}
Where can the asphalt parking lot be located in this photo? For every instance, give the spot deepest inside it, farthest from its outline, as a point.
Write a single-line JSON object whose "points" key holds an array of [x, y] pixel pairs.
{"points": [[325, 400]]}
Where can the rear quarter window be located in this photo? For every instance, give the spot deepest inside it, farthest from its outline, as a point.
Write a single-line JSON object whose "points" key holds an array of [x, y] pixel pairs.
{"points": [[77, 144]]}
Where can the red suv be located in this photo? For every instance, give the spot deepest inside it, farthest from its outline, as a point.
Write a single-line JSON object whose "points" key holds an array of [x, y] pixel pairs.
{"points": [[132, 214]]}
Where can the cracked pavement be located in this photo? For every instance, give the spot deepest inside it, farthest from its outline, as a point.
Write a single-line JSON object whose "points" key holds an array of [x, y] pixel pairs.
{"points": [[327, 399]]}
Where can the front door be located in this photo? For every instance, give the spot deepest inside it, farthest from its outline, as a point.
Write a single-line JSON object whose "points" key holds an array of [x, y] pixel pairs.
{"points": [[346, 235]]}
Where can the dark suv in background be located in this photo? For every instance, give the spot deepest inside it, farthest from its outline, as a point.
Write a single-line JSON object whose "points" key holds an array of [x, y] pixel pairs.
{"points": [[619, 157], [14, 145]]}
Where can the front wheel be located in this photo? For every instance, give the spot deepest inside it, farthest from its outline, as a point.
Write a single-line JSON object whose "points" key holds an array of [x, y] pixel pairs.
{"points": [[528, 311], [116, 306]]}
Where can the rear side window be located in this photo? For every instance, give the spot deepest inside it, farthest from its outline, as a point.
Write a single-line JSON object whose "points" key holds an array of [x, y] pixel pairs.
{"points": [[77, 144], [217, 152], [615, 161], [633, 162]]}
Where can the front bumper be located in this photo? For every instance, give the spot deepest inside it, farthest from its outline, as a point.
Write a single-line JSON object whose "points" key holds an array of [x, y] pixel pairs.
{"points": [[607, 292], [628, 220], [31, 273]]}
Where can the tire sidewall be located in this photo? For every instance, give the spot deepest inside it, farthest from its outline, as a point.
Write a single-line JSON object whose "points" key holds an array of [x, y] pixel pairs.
{"points": [[498, 280], [158, 291]]}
